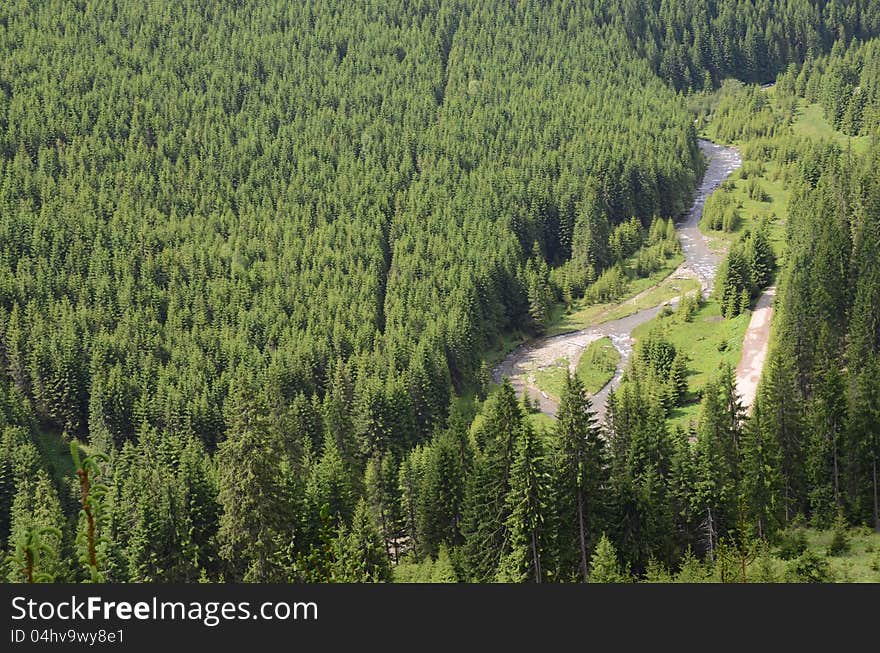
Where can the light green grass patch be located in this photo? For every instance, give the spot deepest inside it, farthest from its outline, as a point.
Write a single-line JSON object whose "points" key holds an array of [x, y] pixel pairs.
{"points": [[854, 566], [597, 364], [810, 122], [754, 211], [595, 368], [552, 379], [708, 340]]}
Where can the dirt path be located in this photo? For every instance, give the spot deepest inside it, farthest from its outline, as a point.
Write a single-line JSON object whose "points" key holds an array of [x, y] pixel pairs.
{"points": [[754, 353], [700, 262]]}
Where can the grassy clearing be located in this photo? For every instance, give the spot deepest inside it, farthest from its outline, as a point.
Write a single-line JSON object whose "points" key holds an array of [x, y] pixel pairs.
{"points": [[552, 379], [855, 566], [810, 122], [861, 564], [598, 364], [752, 211], [708, 340], [582, 315], [668, 290]]}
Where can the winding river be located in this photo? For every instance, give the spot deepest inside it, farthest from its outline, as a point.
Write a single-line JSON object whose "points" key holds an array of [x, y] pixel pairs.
{"points": [[700, 262]]}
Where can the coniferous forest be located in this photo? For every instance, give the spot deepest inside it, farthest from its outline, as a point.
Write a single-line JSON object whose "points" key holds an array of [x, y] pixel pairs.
{"points": [[257, 259]]}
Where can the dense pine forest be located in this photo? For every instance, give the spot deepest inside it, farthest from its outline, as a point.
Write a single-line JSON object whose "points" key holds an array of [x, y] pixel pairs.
{"points": [[254, 257]]}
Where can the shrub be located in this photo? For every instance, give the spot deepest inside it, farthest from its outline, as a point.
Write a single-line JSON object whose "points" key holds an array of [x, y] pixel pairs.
{"points": [[809, 568], [793, 542], [756, 191], [840, 543]]}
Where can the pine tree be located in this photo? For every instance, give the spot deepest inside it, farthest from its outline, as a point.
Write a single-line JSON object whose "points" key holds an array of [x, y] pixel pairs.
{"points": [[256, 531], [678, 378], [441, 494], [362, 557], [36, 552], [762, 260], [782, 420], [581, 477], [92, 539], [863, 444], [330, 485], [485, 512], [337, 416], [717, 467], [604, 565], [762, 481], [682, 483], [36, 539], [529, 546], [827, 422], [381, 496], [443, 570]]}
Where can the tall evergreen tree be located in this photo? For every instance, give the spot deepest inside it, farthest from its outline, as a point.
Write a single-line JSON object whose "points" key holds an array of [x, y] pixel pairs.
{"points": [[362, 556], [582, 476], [486, 510], [257, 525], [761, 475], [527, 553]]}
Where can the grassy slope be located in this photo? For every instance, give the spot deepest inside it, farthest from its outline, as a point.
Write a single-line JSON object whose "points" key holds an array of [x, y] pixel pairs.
{"points": [[855, 566], [753, 211], [708, 340], [860, 565], [810, 122]]}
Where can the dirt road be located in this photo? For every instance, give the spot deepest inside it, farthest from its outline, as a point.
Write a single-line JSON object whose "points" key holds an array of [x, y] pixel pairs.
{"points": [[754, 353]]}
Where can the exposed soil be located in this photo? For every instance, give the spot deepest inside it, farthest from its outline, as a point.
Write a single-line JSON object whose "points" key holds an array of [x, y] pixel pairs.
{"points": [[754, 352]]}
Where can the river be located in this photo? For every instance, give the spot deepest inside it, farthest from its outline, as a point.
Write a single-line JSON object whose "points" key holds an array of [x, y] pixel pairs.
{"points": [[700, 261]]}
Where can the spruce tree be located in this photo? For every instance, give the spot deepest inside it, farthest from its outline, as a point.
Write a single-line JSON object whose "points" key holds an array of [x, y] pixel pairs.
{"points": [[37, 545], [441, 494], [827, 422], [257, 525], [362, 556], [782, 419], [863, 445], [582, 477], [92, 537], [604, 565], [761, 475], [485, 513], [527, 552]]}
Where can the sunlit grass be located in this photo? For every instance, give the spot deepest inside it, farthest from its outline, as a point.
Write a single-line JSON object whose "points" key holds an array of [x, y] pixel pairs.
{"points": [[709, 341]]}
